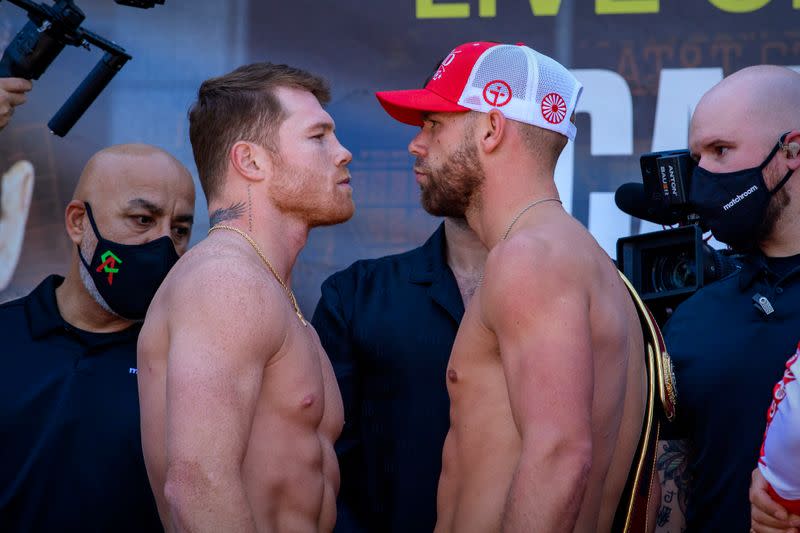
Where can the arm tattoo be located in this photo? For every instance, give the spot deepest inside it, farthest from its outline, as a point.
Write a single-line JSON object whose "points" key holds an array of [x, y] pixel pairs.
{"points": [[225, 214], [673, 465], [663, 516]]}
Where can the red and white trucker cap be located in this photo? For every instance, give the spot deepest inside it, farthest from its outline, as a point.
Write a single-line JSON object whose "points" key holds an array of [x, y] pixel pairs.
{"points": [[516, 80]]}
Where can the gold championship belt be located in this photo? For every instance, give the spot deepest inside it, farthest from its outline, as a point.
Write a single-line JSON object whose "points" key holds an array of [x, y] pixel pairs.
{"points": [[635, 507]]}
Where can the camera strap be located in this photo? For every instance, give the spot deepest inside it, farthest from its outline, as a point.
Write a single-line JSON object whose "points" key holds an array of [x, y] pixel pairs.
{"points": [[636, 504]]}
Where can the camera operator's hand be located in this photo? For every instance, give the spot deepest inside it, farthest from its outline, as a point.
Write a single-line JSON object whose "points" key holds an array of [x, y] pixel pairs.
{"points": [[12, 94], [766, 515]]}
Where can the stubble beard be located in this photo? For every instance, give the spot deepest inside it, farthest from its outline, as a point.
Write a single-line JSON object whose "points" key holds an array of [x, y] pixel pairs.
{"points": [[297, 192], [455, 186], [777, 205]]}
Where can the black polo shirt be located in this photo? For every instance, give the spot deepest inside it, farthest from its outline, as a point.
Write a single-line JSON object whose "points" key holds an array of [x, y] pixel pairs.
{"points": [[70, 441], [728, 355]]}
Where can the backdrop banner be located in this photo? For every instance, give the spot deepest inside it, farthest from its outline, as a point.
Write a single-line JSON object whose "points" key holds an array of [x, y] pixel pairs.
{"points": [[644, 65]]}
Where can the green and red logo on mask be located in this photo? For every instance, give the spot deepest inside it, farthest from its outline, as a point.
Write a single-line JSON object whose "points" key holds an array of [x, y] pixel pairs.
{"points": [[108, 265], [146, 266]]}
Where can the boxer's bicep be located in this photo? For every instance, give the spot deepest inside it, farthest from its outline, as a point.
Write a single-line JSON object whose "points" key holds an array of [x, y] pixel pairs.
{"points": [[542, 325], [218, 350], [537, 307]]}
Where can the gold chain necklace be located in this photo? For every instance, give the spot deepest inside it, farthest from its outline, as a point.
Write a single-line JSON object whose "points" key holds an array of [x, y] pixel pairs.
{"points": [[269, 266], [523, 210], [514, 221]]}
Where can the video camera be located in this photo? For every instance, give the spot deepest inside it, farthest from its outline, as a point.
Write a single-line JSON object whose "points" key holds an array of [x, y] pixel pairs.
{"points": [[48, 31], [666, 267]]}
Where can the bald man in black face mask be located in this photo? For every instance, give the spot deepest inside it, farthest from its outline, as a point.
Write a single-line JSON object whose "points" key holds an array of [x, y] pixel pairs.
{"points": [[730, 341], [69, 412]]}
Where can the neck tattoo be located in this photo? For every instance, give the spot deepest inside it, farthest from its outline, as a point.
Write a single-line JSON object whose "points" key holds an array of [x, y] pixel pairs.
{"points": [[249, 209], [250, 240]]}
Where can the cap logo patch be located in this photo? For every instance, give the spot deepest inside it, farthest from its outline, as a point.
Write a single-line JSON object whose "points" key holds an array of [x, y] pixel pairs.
{"points": [[497, 93], [445, 62], [554, 109]]}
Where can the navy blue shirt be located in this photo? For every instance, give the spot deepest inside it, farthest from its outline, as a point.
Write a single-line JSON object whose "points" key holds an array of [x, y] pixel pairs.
{"points": [[388, 326], [728, 355], [69, 424]]}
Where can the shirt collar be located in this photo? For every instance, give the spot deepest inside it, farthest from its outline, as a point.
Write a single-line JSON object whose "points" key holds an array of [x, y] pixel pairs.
{"points": [[44, 318], [755, 267], [433, 260], [42, 310]]}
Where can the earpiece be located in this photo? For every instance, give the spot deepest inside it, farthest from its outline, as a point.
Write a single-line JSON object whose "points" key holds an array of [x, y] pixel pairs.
{"points": [[791, 149]]}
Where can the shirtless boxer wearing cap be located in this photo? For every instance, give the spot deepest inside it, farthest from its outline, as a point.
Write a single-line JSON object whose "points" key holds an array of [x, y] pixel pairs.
{"points": [[546, 378]]}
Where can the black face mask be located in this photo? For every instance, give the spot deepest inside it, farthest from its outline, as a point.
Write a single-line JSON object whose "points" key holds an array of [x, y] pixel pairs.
{"points": [[734, 204], [127, 276]]}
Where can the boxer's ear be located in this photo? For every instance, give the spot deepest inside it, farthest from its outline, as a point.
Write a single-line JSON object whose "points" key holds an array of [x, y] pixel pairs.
{"points": [[492, 127], [249, 160]]}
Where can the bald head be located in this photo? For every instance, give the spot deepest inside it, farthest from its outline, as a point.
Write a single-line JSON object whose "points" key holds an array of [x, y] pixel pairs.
{"points": [[740, 119], [137, 193], [127, 195], [767, 94], [763, 98], [125, 164]]}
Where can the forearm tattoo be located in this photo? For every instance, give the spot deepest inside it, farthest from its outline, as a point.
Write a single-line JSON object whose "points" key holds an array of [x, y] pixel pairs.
{"points": [[672, 464]]}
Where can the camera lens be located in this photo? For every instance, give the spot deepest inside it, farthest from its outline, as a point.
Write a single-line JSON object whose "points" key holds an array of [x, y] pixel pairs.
{"points": [[671, 272]]}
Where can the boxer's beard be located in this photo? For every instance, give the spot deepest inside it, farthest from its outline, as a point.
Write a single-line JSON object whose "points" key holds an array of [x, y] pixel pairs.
{"points": [[455, 184]]}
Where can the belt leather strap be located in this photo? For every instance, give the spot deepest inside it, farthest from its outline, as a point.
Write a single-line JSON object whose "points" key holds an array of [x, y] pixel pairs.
{"points": [[632, 514]]}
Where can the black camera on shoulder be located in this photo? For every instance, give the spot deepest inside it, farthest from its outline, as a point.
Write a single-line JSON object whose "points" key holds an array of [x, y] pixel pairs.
{"points": [[666, 267], [48, 31]]}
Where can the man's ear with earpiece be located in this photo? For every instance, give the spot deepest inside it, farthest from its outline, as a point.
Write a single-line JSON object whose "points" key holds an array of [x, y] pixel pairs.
{"points": [[791, 144], [791, 149]]}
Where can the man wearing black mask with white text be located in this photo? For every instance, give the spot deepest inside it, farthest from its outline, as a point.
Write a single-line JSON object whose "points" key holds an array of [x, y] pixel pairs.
{"points": [[729, 342], [69, 411]]}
